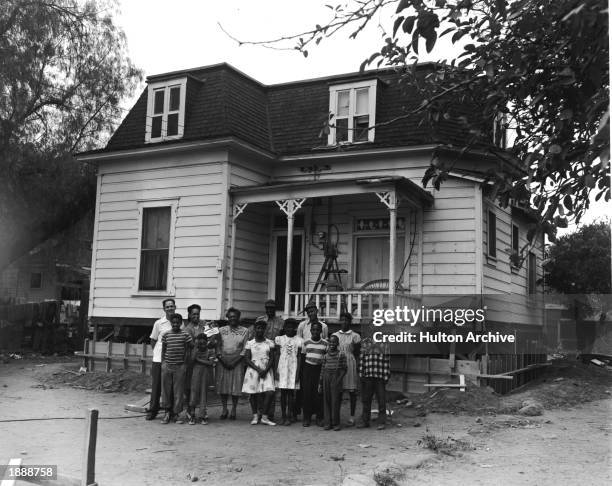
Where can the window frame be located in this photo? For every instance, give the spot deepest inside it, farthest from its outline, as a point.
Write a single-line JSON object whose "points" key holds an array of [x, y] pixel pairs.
{"points": [[170, 289], [532, 273], [166, 86], [333, 103], [41, 280], [491, 220], [356, 234]]}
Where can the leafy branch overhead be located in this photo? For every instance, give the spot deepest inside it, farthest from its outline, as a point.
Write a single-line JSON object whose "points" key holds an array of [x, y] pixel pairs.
{"points": [[538, 68], [64, 71]]}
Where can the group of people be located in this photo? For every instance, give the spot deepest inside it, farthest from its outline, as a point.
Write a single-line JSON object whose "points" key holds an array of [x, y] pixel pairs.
{"points": [[309, 368]]}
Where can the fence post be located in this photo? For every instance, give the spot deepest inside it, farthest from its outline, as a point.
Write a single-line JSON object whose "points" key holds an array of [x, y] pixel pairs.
{"points": [[89, 453]]}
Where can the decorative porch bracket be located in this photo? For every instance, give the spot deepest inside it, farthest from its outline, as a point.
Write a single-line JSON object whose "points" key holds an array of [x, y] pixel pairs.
{"points": [[289, 207], [237, 210], [390, 200]]}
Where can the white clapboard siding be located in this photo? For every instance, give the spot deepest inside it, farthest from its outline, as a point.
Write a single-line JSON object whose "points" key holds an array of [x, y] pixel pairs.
{"points": [[196, 182]]}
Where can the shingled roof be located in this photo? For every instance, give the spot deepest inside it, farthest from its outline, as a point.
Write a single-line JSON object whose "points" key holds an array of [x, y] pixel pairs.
{"points": [[284, 119]]}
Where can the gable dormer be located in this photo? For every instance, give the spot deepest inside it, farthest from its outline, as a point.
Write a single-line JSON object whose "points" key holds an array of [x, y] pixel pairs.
{"points": [[166, 110], [352, 108]]}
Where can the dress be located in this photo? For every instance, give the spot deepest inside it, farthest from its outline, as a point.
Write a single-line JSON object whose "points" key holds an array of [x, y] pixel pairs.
{"points": [[347, 341], [231, 344], [260, 355], [288, 361]]}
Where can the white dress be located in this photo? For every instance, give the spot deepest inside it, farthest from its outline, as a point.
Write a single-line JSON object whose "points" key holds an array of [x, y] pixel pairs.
{"points": [[260, 355], [288, 361]]}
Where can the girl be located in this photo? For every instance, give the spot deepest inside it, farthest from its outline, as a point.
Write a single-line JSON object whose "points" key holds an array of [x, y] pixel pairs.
{"points": [[313, 351], [333, 370], [288, 350], [349, 344], [259, 378], [203, 363]]}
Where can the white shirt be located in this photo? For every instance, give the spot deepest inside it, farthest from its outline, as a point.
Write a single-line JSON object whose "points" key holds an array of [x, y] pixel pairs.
{"points": [[161, 327], [303, 330]]}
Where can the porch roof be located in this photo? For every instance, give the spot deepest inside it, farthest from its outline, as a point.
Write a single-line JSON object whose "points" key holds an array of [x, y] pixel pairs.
{"points": [[404, 188]]}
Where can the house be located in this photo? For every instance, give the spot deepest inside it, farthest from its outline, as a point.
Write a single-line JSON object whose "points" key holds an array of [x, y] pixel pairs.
{"points": [[220, 190]]}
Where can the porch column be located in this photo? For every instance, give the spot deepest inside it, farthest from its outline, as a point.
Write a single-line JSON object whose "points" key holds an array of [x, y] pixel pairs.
{"points": [[237, 211], [289, 207], [389, 199]]}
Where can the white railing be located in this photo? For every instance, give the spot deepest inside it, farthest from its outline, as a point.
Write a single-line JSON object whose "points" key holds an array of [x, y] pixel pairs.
{"points": [[360, 303]]}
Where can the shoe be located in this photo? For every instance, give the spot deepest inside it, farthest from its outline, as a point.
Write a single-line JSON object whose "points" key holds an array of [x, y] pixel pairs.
{"points": [[204, 421], [223, 415], [166, 419], [337, 428], [320, 423], [179, 420], [255, 420], [232, 416], [350, 423], [327, 427], [192, 421], [267, 421], [190, 417], [381, 427], [151, 416], [306, 423], [363, 425]]}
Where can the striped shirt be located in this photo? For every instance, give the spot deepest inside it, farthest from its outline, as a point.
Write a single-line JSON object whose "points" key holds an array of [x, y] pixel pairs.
{"points": [[175, 345], [314, 351], [334, 361]]}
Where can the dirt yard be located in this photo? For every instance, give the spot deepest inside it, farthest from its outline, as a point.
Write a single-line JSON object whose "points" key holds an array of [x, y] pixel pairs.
{"points": [[444, 437]]}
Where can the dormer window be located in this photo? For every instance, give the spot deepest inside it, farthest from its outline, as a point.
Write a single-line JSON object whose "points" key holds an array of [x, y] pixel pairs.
{"points": [[353, 112], [166, 110]]}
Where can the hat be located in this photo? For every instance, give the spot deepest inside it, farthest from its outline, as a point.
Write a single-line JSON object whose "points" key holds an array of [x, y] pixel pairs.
{"points": [[270, 303]]}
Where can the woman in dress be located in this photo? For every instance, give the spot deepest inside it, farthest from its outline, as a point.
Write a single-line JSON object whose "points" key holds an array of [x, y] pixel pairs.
{"points": [[349, 343], [288, 352], [259, 378], [231, 343]]}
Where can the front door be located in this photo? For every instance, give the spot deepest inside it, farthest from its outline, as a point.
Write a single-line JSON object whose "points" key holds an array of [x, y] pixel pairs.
{"points": [[278, 273]]}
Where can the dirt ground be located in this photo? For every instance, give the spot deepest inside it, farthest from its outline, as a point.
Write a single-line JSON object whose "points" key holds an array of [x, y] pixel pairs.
{"points": [[478, 437]]}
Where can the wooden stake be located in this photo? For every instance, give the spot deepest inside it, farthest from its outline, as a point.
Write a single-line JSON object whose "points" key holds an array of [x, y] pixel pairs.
{"points": [[89, 454]]}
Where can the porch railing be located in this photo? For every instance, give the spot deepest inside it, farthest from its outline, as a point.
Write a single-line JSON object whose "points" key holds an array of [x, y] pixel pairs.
{"points": [[360, 303]]}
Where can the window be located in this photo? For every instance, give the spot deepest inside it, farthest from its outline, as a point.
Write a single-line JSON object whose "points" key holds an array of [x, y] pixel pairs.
{"points": [[531, 273], [515, 239], [372, 258], [154, 248], [166, 111], [36, 280], [491, 234], [353, 111]]}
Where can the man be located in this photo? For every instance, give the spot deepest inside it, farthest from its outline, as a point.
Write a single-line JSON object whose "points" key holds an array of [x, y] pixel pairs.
{"points": [[374, 371], [160, 327], [274, 323], [303, 330]]}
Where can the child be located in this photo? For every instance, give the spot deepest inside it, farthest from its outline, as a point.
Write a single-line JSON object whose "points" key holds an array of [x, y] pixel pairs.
{"points": [[349, 344], [288, 351], [259, 377], [374, 371], [203, 362], [175, 346], [333, 370], [313, 350]]}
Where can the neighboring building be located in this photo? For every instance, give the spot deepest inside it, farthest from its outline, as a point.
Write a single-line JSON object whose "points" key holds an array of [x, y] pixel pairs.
{"points": [[212, 175], [56, 269]]}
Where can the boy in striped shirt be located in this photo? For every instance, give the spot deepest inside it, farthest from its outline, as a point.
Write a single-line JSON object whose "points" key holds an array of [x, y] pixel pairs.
{"points": [[176, 344], [313, 351]]}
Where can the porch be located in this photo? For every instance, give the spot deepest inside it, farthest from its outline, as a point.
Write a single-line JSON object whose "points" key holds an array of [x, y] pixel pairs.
{"points": [[336, 243]]}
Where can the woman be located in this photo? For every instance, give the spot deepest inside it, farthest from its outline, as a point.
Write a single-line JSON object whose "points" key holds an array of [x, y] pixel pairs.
{"points": [[230, 373]]}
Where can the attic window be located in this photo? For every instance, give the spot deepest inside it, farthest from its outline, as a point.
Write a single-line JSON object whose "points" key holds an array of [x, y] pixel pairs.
{"points": [[352, 110], [166, 110]]}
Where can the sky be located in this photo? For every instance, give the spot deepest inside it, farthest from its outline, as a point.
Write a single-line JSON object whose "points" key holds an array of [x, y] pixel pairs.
{"points": [[166, 36]]}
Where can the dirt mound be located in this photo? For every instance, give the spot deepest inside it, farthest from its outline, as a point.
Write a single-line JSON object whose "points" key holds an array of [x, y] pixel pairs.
{"points": [[473, 401], [564, 384], [113, 382]]}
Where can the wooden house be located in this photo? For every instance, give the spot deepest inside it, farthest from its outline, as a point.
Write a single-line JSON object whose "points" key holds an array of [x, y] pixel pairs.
{"points": [[219, 190]]}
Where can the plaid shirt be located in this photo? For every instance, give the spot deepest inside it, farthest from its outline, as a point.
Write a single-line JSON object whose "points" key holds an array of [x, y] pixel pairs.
{"points": [[374, 360]]}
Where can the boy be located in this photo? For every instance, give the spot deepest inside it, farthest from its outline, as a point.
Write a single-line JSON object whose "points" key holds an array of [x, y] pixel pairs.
{"points": [[332, 374], [312, 357], [175, 346], [374, 371], [203, 362]]}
